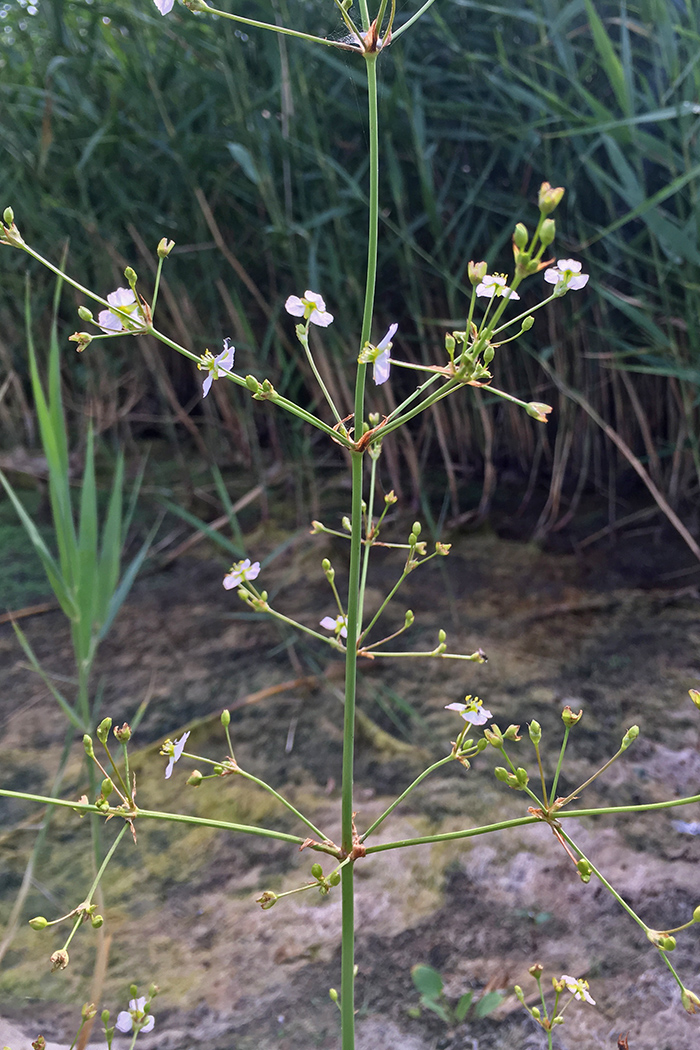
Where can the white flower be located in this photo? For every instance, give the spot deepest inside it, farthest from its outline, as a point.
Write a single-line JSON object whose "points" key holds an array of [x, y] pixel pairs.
{"points": [[123, 299], [471, 710], [382, 362], [164, 6], [579, 989], [129, 1019], [339, 625], [242, 570], [174, 750], [566, 275], [213, 365], [312, 308], [495, 284]]}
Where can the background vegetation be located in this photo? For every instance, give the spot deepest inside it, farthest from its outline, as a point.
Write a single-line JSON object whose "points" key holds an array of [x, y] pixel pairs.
{"points": [[119, 127]]}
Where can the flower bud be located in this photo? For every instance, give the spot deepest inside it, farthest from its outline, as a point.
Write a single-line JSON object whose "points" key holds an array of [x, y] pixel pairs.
{"points": [[104, 1017], [511, 733], [252, 383], [88, 1011], [488, 354], [519, 994], [267, 900], [59, 960], [450, 345], [153, 990], [538, 410], [195, 778], [391, 497], [133, 990], [39, 923], [96, 921], [317, 871], [346, 523], [84, 314], [667, 944], [584, 869], [107, 787], [334, 878], [225, 718], [535, 732], [477, 272], [548, 232], [218, 769], [130, 274], [569, 718], [535, 1011], [521, 775], [87, 744], [502, 774], [694, 696], [103, 729], [333, 995], [631, 735], [442, 636], [527, 323], [494, 736], [165, 247], [690, 1001], [549, 197], [520, 236], [123, 733], [409, 618], [8, 216], [536, 970]]}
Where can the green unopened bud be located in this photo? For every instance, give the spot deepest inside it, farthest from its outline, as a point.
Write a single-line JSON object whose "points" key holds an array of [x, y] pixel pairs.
{"points": [[104, 1017], [519, 994], [538, 410], [416, 529], [165, 247], [88, 1011], [667, 944], [569, 718], [494, 736], [548, 232], [153, 990], [103, 729], [334, 878], [521, 775], [502, 774], [527, 323], [87, 744], [107, 787], [584, 869], [630, 736], [535, 731], [267, 900], [512, 733], [333, 995], [520, 235], [694, 695], [346, 523], [488, 354], [133, 990], [696, 914], [96, 921], [450, 345], [549, 197], [39, 923], [84, 313], [477, 271], [9, 216], [690, 1001], [130, 274], [217, 769], [123, 733], [535, 1011], [226, 718], [442, 636], [195, 778], [252, 383], [317, 871], [328, 570]]}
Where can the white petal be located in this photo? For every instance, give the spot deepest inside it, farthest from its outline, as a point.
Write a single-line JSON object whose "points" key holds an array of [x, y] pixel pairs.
{"points": [[294, 306], [328, 622], [321, 317], [122, 297], [232, 580], [552, 276], [382, 367], [206, 385], [578, 281], [485, 290], [150, 1024], [391, 332], [106, 319], [569, 264], [124, 1022], [318, 300], [165, 7]]}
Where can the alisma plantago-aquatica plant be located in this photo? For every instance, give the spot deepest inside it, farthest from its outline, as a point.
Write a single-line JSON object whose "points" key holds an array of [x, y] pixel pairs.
{"points": [[492, 317]]}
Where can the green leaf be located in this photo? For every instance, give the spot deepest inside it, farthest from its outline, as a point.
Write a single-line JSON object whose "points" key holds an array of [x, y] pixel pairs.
{"points": [[488, 1003], [427, 980], [462, 1007]]}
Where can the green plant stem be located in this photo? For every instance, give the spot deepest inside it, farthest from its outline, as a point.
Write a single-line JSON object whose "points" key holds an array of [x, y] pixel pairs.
{"points": [[96, 881], [200, 5], [557, 771], [402, 796], [601, 878], [451, 836], [368, 534], [282, 799]]}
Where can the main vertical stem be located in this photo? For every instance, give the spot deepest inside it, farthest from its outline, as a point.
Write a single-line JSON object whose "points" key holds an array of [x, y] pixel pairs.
{"points": [[354, 624]]}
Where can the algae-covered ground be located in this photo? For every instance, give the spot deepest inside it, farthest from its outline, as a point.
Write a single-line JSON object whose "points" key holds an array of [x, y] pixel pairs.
{"points": [[604, 633]]}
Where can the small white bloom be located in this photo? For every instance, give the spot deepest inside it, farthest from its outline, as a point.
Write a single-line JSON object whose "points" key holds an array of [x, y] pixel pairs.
{"points": [[312, 308], [579, 989], [129, 1019], [123, 299], [339, 625], [164, 6], [213, 365], [382, 362], [175, 751], [242, 570], [566, 275], [472, 710], [495, 284]]}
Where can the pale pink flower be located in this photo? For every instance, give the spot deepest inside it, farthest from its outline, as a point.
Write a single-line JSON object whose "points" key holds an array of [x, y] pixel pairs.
{"points": [[123, 298], [213, 365], [174, 750], [579, 989], [382, 363], [129, 1019], [495, 284], [566, 275], [241, 571], [338, 624], [312, 308], [472, 710], [164, 6]]}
